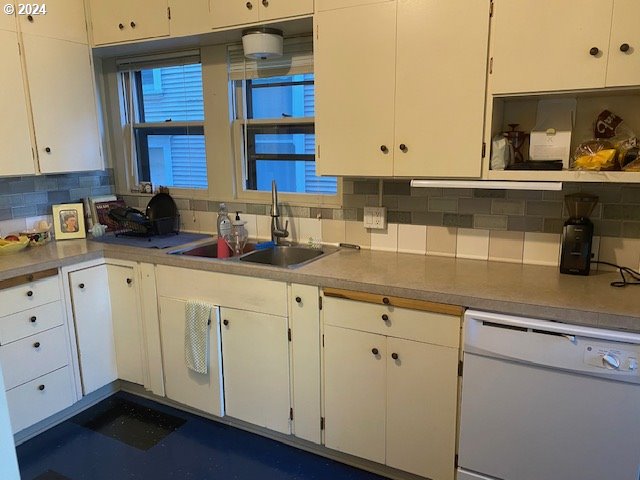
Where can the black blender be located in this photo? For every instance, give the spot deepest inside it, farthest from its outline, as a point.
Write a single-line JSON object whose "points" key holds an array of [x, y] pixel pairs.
{"points": [[577, 234]]}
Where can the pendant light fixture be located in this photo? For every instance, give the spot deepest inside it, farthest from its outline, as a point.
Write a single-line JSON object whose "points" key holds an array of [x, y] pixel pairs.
{"points": [[262, 43]]}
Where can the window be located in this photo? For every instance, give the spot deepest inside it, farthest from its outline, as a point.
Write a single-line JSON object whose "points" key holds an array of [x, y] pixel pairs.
{"points": [[165, 112], [275, 113]]}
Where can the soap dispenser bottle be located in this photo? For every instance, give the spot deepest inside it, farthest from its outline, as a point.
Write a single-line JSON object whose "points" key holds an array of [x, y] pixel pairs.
{"points": [[224, 230], [239, 235]]}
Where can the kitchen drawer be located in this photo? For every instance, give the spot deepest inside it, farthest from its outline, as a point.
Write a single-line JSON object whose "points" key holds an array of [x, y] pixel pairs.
{"points": [[28, 293], [421, 326], [22, 361], [234, 291], [29, 322], [40, 398]]}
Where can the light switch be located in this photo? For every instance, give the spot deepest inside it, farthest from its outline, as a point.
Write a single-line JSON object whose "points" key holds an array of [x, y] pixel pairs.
{"points": [[375, 217]]}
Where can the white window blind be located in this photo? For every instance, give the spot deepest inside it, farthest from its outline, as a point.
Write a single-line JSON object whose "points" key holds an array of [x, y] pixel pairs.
{"points": [[297, 58], [141, 62]]}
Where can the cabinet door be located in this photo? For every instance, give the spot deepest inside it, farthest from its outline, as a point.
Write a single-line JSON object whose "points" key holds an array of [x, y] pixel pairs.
{"points": [[355, 81], [422, 386], [255, 352], [197, 390], [116, 21], [624, 48], [16, 156], [127, 330], [543, 45], [355, 389], [8, 22], [189, 17], [439, 98], [147, 19], [322, 5], [64, 20], [94, 330], [225, 13], [274, 9], [63, 103]]}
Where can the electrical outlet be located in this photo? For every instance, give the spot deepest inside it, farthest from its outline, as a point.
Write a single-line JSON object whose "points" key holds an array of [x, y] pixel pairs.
{"points": [[375, 217]]}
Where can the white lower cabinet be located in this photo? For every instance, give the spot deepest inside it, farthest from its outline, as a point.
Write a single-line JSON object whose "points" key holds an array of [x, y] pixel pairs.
{"points": [[388, 399], [202, 391], [255, 353]]}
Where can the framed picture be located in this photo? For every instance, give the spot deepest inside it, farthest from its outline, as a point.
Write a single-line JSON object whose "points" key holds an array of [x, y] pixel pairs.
{"points": [[68, 221]]}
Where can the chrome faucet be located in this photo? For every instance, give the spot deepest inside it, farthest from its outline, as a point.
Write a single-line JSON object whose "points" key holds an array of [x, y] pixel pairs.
{"points": [[277, 232]]}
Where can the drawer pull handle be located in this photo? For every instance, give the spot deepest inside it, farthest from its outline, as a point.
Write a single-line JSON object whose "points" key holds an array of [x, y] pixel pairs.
{"points": [[298, 300], [225, 322], [386, 300], [30, 293], [36, 345], [41, 387], [385, 317], [394, 356], [374, 351], [33, 319], [81, 286]]}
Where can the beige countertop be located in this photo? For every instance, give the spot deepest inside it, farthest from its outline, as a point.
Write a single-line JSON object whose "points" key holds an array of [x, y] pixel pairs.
{"points": [[526, 290]]}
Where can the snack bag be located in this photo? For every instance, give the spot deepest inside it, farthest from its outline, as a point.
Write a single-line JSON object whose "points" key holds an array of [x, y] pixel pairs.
{"points": [[595, 155]]}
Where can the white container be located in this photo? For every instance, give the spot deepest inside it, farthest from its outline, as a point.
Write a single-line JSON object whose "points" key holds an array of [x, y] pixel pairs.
{"points": [[261, 43], [551, 138]]}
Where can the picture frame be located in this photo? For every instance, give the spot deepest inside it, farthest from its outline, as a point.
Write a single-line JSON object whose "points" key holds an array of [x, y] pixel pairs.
{"points": [[68, 221]]}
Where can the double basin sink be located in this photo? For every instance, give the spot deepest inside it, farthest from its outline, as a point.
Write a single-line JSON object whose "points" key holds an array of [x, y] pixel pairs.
{"points": [[285, 256]]}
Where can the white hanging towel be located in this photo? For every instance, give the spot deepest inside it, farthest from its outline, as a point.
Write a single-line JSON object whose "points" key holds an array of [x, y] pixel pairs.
{"points": [[197, 316]]}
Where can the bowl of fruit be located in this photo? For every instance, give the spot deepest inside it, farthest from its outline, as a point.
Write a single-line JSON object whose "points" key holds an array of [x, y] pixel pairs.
{"points": [[13, 244]]}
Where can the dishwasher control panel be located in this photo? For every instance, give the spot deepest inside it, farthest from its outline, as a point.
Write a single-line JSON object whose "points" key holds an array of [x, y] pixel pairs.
{"points": [[603, 356]]}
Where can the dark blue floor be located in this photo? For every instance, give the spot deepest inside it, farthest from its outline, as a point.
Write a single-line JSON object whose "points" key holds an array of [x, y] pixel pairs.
{"points": [[99, 444]]}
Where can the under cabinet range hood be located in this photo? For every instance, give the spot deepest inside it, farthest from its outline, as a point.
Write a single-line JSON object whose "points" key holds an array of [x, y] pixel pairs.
{"points": [[488, 184]]}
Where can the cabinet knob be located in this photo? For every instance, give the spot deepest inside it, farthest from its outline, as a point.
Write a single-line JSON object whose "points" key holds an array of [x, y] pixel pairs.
{"points": [[81, 286], [374, 351], [41, 387], [384, 149], [47, 149], [385, 317], [30, 293], [33, 319], [225, 322], [129, 281], [394, 356], [36, 345], [30, 18], [624, 47], [403, 148], [121, 26], [133, 24], [386, 300], [298, 300], [265, 3], [249, 5], [594, 51]]}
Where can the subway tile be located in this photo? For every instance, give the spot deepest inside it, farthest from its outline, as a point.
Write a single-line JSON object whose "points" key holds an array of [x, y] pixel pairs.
{"points": [[182, 203], [68, 181], [472, 243], [347, 214], [441, 241], [553, 196], [35, 198], [365, 187], [482, 193], [606, 193], [326, 213], [544, 209], [524, 195], [386, 240], [90, 181], [60, 196], [457, 192], [23, 186], [198, 205], [621, 212], [620, 251], [608, 228], [45, 183], [251, 225], [631, 194], [298, 212], [524, 224], [371, 201], [412, 204], [426, 192], [207, 222], [232, 207], [347, 186], [399, 217], [412, 239], [12, 200], [506, 246], [427, 218], [105, 190], [360, 215], [5, 214], [213, 206], [357, 201], [474, 205], [21, 212], [256, 209], [189, 221], [631, 229], [541, 249], [77, 194], [396, 188], [507, 207], [490, 222], [263, 227], [43, 209], [447, 205], [390, 201], [333, 231], [358, 235], [552, 225], [310, 230], [107, 181], [454, 220]]}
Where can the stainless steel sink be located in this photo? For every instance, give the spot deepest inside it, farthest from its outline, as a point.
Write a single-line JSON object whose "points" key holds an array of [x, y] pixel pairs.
{"points": [[286, 256], [209, 250]]}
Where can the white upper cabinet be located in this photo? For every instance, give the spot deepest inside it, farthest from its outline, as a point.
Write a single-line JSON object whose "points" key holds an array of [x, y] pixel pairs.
{"points": [[16, 156], [546, 45], [64, 20], [8, 22], [396, 83], [188, 17], [63, 104], [115, 21], [322, 5], [624, 48], [227, 13]]}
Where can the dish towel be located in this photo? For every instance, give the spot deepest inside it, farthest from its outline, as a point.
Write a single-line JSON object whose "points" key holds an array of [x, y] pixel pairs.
{"points": [[196, 332]]}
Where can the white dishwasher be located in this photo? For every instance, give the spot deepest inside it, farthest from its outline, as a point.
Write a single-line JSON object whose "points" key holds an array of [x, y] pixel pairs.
{"points": [[548, 401]]}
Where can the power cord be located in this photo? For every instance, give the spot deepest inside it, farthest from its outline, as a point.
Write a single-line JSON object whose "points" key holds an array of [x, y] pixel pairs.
{"points": [[622, 270]]}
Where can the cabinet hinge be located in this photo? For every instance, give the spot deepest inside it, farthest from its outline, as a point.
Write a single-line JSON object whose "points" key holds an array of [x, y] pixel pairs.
{"points": [[491, 10], [19, 49], [318, 151], [460, 368], [289, 334], [490, 65], [320, 303], [484, 149], [323, 341], [455, 460], [291, 414], [321, 423], [169, 13]]}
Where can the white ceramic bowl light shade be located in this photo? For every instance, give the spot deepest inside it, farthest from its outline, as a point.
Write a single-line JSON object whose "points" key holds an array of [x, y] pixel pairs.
{"points": [[261, 43]]}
